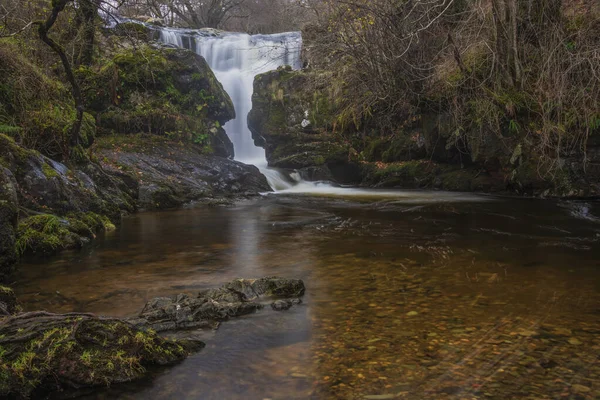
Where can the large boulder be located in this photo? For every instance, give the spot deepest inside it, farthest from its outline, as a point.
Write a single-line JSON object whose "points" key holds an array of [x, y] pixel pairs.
{"points": [[168, 174], [44, 352], [162, 90], [292, 120]]}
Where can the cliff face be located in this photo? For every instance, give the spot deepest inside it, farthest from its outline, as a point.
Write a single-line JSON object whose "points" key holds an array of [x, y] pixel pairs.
{"points": [[297, 123], [293, 123]]}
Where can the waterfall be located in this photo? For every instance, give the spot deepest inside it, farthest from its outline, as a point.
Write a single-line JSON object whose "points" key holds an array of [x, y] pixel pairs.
{"points": [[236, 58]]}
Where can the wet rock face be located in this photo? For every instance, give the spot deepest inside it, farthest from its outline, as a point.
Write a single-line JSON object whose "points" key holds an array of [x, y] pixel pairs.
{"points": [[211, 306], [169, 174], [292, 121], [282, 305], [45, 185]]}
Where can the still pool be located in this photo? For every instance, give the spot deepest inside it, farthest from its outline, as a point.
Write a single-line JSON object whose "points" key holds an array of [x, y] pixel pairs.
{"points": [[410, 295]]}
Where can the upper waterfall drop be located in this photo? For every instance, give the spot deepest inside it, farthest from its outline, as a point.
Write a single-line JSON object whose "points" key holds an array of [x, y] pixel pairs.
{"points": [[236, 58]]}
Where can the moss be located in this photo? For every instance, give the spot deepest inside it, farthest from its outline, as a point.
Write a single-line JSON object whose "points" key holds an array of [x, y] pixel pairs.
{"points": [[131, 143], [38, 105], [5, 289], [133, 30], [459, 180], [81, 352], [321, 110], [88, 130], [159, 91], [403, 174], [48, 234], [43, 234], [48, 171], [374, 149], [398, 149], [11, 152]]}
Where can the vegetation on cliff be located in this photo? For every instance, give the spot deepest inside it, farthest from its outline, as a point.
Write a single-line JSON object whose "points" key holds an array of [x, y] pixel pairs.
{"points": [[504, 89]]}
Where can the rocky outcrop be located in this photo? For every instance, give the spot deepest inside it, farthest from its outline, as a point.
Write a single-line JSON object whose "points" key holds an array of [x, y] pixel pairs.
{"points": [[162, 90], [292, 122], [44, 352], [36, 186], [292, 118], [167, 174], [211, 306], [45, 185], [64, 207]]}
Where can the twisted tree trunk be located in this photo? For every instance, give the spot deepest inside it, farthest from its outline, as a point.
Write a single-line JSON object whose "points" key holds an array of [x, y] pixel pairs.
{"points": [[43, 28]]}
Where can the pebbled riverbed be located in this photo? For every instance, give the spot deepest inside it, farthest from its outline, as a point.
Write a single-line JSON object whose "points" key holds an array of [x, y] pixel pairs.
{"points": [[410, 295]]}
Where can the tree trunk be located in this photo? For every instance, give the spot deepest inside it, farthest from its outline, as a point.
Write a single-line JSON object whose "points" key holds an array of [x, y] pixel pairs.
{"points": [[89, 10], [512, 47], [43, 29]]}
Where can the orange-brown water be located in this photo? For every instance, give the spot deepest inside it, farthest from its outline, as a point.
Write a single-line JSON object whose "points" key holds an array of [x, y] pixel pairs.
{"points": [[414, 297]]}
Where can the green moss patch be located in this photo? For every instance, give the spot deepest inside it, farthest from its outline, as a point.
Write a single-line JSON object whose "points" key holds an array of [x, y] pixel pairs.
{"points": [[40, 352], [156, 90], [48, 234]]}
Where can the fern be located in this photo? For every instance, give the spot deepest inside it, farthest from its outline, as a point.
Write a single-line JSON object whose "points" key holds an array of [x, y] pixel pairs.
{"points": [[9, 129]]}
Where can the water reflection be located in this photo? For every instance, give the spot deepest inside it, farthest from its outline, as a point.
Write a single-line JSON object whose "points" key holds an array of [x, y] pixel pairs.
{"points": [[410, 299]]}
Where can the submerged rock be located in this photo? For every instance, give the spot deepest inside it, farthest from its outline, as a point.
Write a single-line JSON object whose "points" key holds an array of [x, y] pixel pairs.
{"points": [[282, 305], [212, 306]]}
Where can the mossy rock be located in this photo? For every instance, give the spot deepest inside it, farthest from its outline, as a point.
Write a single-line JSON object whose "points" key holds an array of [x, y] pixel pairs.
{"points": [[159, 90], [48, 234], [8, 302], [133, 30], [43, 352]]}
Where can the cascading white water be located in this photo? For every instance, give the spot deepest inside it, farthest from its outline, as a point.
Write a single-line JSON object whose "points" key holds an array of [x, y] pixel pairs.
{"points": [[236, 58]]}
